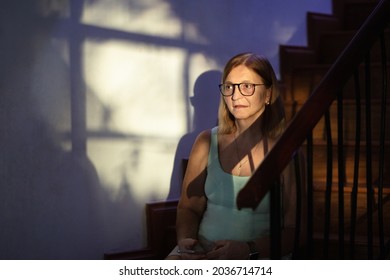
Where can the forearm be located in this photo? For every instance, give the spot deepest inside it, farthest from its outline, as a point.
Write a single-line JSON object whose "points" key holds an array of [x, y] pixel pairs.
{"points": [[187, 224]]}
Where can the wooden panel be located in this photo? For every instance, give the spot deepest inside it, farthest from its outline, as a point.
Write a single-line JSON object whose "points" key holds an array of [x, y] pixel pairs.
{"points": [[161, 221]]}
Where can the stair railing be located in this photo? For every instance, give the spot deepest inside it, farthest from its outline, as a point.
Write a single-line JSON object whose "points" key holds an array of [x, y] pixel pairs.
{"points": [[300, 129]]}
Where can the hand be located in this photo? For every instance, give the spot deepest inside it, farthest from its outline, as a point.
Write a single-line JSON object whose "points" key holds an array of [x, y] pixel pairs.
{"points": [[229, 250], [189, 245]]}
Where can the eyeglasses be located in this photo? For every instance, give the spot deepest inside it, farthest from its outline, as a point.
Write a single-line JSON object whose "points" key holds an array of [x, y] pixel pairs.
{"points": [[246, 89]]}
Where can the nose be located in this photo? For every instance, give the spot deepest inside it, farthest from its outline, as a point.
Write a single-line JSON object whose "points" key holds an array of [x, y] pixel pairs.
{"points": [[236, 92]]}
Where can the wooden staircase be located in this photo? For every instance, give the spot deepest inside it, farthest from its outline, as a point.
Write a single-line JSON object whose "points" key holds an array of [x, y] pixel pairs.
{"points": [[302, 68]]}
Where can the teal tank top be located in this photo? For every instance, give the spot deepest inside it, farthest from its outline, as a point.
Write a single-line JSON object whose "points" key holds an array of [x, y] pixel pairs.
{"points": [[222, 219]]}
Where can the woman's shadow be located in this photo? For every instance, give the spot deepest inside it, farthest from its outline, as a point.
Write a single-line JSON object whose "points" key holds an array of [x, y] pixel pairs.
{"points": [[205, 103]]}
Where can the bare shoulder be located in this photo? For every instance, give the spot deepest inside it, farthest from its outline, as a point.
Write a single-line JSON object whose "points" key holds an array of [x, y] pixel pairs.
{"points": [[204, 136], [202, 142], [199, 153]]}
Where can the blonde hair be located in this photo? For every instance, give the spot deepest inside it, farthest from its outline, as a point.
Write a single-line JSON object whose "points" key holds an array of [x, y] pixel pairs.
{"points": [[274, 118]]}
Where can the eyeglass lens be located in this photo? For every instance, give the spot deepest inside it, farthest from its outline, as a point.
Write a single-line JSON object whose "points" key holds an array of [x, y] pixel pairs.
{"points": [[244, 88]]}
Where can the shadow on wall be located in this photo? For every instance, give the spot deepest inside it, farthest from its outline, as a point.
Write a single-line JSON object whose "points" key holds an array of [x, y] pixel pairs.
{"points": [[205, 102]]}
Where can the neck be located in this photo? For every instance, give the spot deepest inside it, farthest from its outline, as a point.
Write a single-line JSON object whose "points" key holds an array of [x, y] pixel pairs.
{"points": [[249, 131]]}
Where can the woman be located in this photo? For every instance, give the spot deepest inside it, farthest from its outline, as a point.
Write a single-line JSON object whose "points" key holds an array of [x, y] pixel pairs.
{"points": [[209, 225]]}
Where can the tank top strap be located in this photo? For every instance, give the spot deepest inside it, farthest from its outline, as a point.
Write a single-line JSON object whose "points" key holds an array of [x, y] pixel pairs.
{"points": [[213, 153]]}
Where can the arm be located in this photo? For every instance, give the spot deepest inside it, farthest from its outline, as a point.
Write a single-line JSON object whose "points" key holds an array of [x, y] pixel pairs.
{"points": [[192, 202]]}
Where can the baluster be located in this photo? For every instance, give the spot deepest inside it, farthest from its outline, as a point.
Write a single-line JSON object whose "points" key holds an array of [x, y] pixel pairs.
{"points": [[354, 193], [276, 252], [329, 182], [341, 172], [382, 145], [298, 181], [309, 166], [368, 158]]}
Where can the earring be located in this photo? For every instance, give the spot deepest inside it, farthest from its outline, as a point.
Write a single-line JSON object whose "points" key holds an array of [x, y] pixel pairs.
{"points": [[267, 101]]}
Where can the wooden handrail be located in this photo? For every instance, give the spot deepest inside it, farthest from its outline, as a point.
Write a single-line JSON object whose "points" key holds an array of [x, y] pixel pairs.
{"points": [[314, 108]]}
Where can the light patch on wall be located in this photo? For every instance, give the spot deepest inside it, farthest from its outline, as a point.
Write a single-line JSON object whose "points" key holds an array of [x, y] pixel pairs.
{"points": [[282, 33], [134, 169], [152, 17], [137, 89], [136, 163]]}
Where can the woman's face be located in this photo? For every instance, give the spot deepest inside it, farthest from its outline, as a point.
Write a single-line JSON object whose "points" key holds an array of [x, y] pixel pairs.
{"points": [[246, 107]]}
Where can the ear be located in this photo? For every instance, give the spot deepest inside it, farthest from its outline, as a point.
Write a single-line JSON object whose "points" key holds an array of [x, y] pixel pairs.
{"points": [[268, 97]]}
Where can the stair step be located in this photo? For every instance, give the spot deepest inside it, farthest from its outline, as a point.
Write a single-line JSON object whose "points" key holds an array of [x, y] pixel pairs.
{"points": [[290, 56], [349, 121], [361, 217], [332, 248], [318, 23], [331, 44], [322, 29], [305, 78], [346, 9], [355, 13], [320, 169]]}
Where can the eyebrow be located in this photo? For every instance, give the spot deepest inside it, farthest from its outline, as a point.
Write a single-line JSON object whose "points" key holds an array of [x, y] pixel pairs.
{"points": [[244, 82]]}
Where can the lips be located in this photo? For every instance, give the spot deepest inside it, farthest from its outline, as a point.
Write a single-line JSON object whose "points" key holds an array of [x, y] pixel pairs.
{"points": [[239, 106]]}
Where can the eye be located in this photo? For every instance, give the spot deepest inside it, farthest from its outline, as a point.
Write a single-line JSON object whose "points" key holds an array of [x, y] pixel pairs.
{"points": [[228, 87], [247, 86]]}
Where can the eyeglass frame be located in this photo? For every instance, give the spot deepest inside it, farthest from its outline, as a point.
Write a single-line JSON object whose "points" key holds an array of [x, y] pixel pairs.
{"points": [[238, 85]]}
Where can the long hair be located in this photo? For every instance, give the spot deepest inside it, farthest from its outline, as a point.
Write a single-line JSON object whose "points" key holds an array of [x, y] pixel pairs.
{"points": [[273, 123]]}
